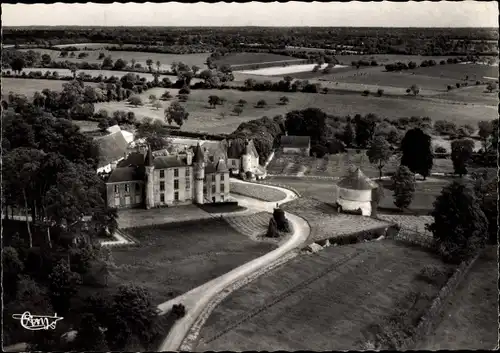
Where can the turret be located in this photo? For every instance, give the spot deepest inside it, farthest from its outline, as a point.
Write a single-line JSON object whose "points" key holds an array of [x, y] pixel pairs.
{"points": [[246, 158], [149, 189], [199, 173]]}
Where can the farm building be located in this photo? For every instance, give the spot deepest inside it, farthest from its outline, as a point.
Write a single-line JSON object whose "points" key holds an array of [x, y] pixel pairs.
{"points": [[296, 145], [112, 149], [355, 192]]}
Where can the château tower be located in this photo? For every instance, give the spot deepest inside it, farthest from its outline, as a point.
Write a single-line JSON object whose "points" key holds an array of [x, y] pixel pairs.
{"points": [[199, 174], [149, 190]]}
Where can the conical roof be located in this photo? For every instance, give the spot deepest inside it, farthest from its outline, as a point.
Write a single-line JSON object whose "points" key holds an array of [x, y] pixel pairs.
{"points": [[357, 180], [199, 156]]}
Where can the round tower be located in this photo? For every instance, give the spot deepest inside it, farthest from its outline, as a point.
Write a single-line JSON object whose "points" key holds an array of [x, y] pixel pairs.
{"points": [[149, 185], [199, 174], [246, 158]]}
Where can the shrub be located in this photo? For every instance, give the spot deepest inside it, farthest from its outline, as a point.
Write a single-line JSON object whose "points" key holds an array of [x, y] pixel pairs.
{"points": [[380, 92], [408, 91], [366, 92], [272, 229], [184, 90], [178, 311], [457, 84], [440, 149], [433, 275]]}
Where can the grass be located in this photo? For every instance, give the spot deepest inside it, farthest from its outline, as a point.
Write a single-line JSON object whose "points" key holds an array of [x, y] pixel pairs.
{"points": [[326, 223], [318, 302], [165, 59], [170, 260], [253, 226], [221, 208], [28, 87], [258, 192], [104, 73], [240, 59], [318, 189], [471, 95], [470, 317]]}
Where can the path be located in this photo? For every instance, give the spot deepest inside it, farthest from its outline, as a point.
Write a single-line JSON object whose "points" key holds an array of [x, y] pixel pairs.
{"points": [[199, 298]]}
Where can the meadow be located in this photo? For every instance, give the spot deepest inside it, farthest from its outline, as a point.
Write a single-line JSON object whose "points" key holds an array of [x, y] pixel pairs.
{"points": [[169, 258], [28, 87], [140, 57], [468, 323], [325, 301], [239, 60], [104, 73]]}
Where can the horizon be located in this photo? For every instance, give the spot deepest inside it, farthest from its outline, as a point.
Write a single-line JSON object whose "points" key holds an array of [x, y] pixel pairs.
{"points": [[385, 14]]}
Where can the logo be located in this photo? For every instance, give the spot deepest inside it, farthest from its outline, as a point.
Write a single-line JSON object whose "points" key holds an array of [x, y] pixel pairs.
{"points": [[37, 322]]}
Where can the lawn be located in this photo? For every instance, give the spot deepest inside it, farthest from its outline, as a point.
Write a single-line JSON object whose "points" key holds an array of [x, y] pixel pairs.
{"points": [[325, 301], [323, 190], [471, 95], [253, 226], [326, 223], [140, 57], [258, 192], [470, 317], [28, 87], [172, 259]]}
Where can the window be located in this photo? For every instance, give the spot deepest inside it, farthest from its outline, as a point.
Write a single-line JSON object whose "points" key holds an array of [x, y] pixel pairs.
{"points": [[137, 187], [213, 189], [162, 174], [127, 188], [116, 189], [213, 178], [176, 196], [221, 187], [176, 184], [222, 197], [211, 158], [162, 186], [188, 184], [162, 198], [222, 178], [188, 172], [176, 173]]}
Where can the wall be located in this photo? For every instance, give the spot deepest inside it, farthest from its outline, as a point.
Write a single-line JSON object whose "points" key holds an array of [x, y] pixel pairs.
{"points": [[136, 195], [355, 195], [296, 150], [185, 196], [347, 205], [210, 183]]}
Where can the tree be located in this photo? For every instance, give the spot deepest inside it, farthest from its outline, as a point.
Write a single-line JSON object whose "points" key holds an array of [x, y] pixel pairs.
{"points": [[73, 70], [158, 65], [195, 69], [149, 64], [17, 64], [135, 101], [135, 315], [491, 86], [414, 89], [107, 63], [417, 152], [46, 59], [365, 128], [120, 64], [380, 92], [63, 286], [213, 100], [132, 62], [157, 105], [404, 187], [284, 100], [166, 95], [485, 131], [261, 103], [460, 226], [184, 90], [90, 336], [237, 110], [379, 153], [152, 98], [461, 154], [348, 134], [176, 113], [485, 184], [12, 270], [272, 229], [242, 103]]}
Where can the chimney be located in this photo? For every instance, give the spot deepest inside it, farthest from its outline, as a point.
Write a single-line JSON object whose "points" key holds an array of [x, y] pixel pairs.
{"points": [[189, 157]]}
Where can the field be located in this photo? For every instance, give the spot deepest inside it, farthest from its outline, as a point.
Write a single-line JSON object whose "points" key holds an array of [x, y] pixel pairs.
{"points": [[28, 87], [285, 70], [222, 120], [165, 59], [325, 301], [470, 318], [170, 258], [258, 192], [239, 60], [471, 95]]}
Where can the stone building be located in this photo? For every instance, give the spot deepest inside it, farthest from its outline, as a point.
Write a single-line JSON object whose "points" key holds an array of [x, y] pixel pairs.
{"points": [[355, 192], [295, 145]]}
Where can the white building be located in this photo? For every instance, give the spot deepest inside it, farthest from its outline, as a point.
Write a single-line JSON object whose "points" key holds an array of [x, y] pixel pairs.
{"points": [[355, 192]]}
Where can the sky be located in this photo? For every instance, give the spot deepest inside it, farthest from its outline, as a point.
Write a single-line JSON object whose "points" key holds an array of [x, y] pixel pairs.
{"points": [[333, 14]]}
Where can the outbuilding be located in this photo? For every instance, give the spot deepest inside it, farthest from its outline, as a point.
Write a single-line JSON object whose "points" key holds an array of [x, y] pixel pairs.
{"points": [[355, 192], [296, 145]]}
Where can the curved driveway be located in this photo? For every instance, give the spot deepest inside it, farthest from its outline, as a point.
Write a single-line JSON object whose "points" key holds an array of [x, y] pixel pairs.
{"points": [[198, 298]]}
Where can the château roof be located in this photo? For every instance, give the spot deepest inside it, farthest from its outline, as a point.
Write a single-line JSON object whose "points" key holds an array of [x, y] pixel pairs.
{"points": [[199, 156], [123, 174], [295, 141], [111, 148], [357, 180], [163, 162]]}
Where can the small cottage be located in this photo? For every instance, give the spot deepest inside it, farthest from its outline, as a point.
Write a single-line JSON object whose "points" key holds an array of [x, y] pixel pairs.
{"points": [[296, 145]]}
